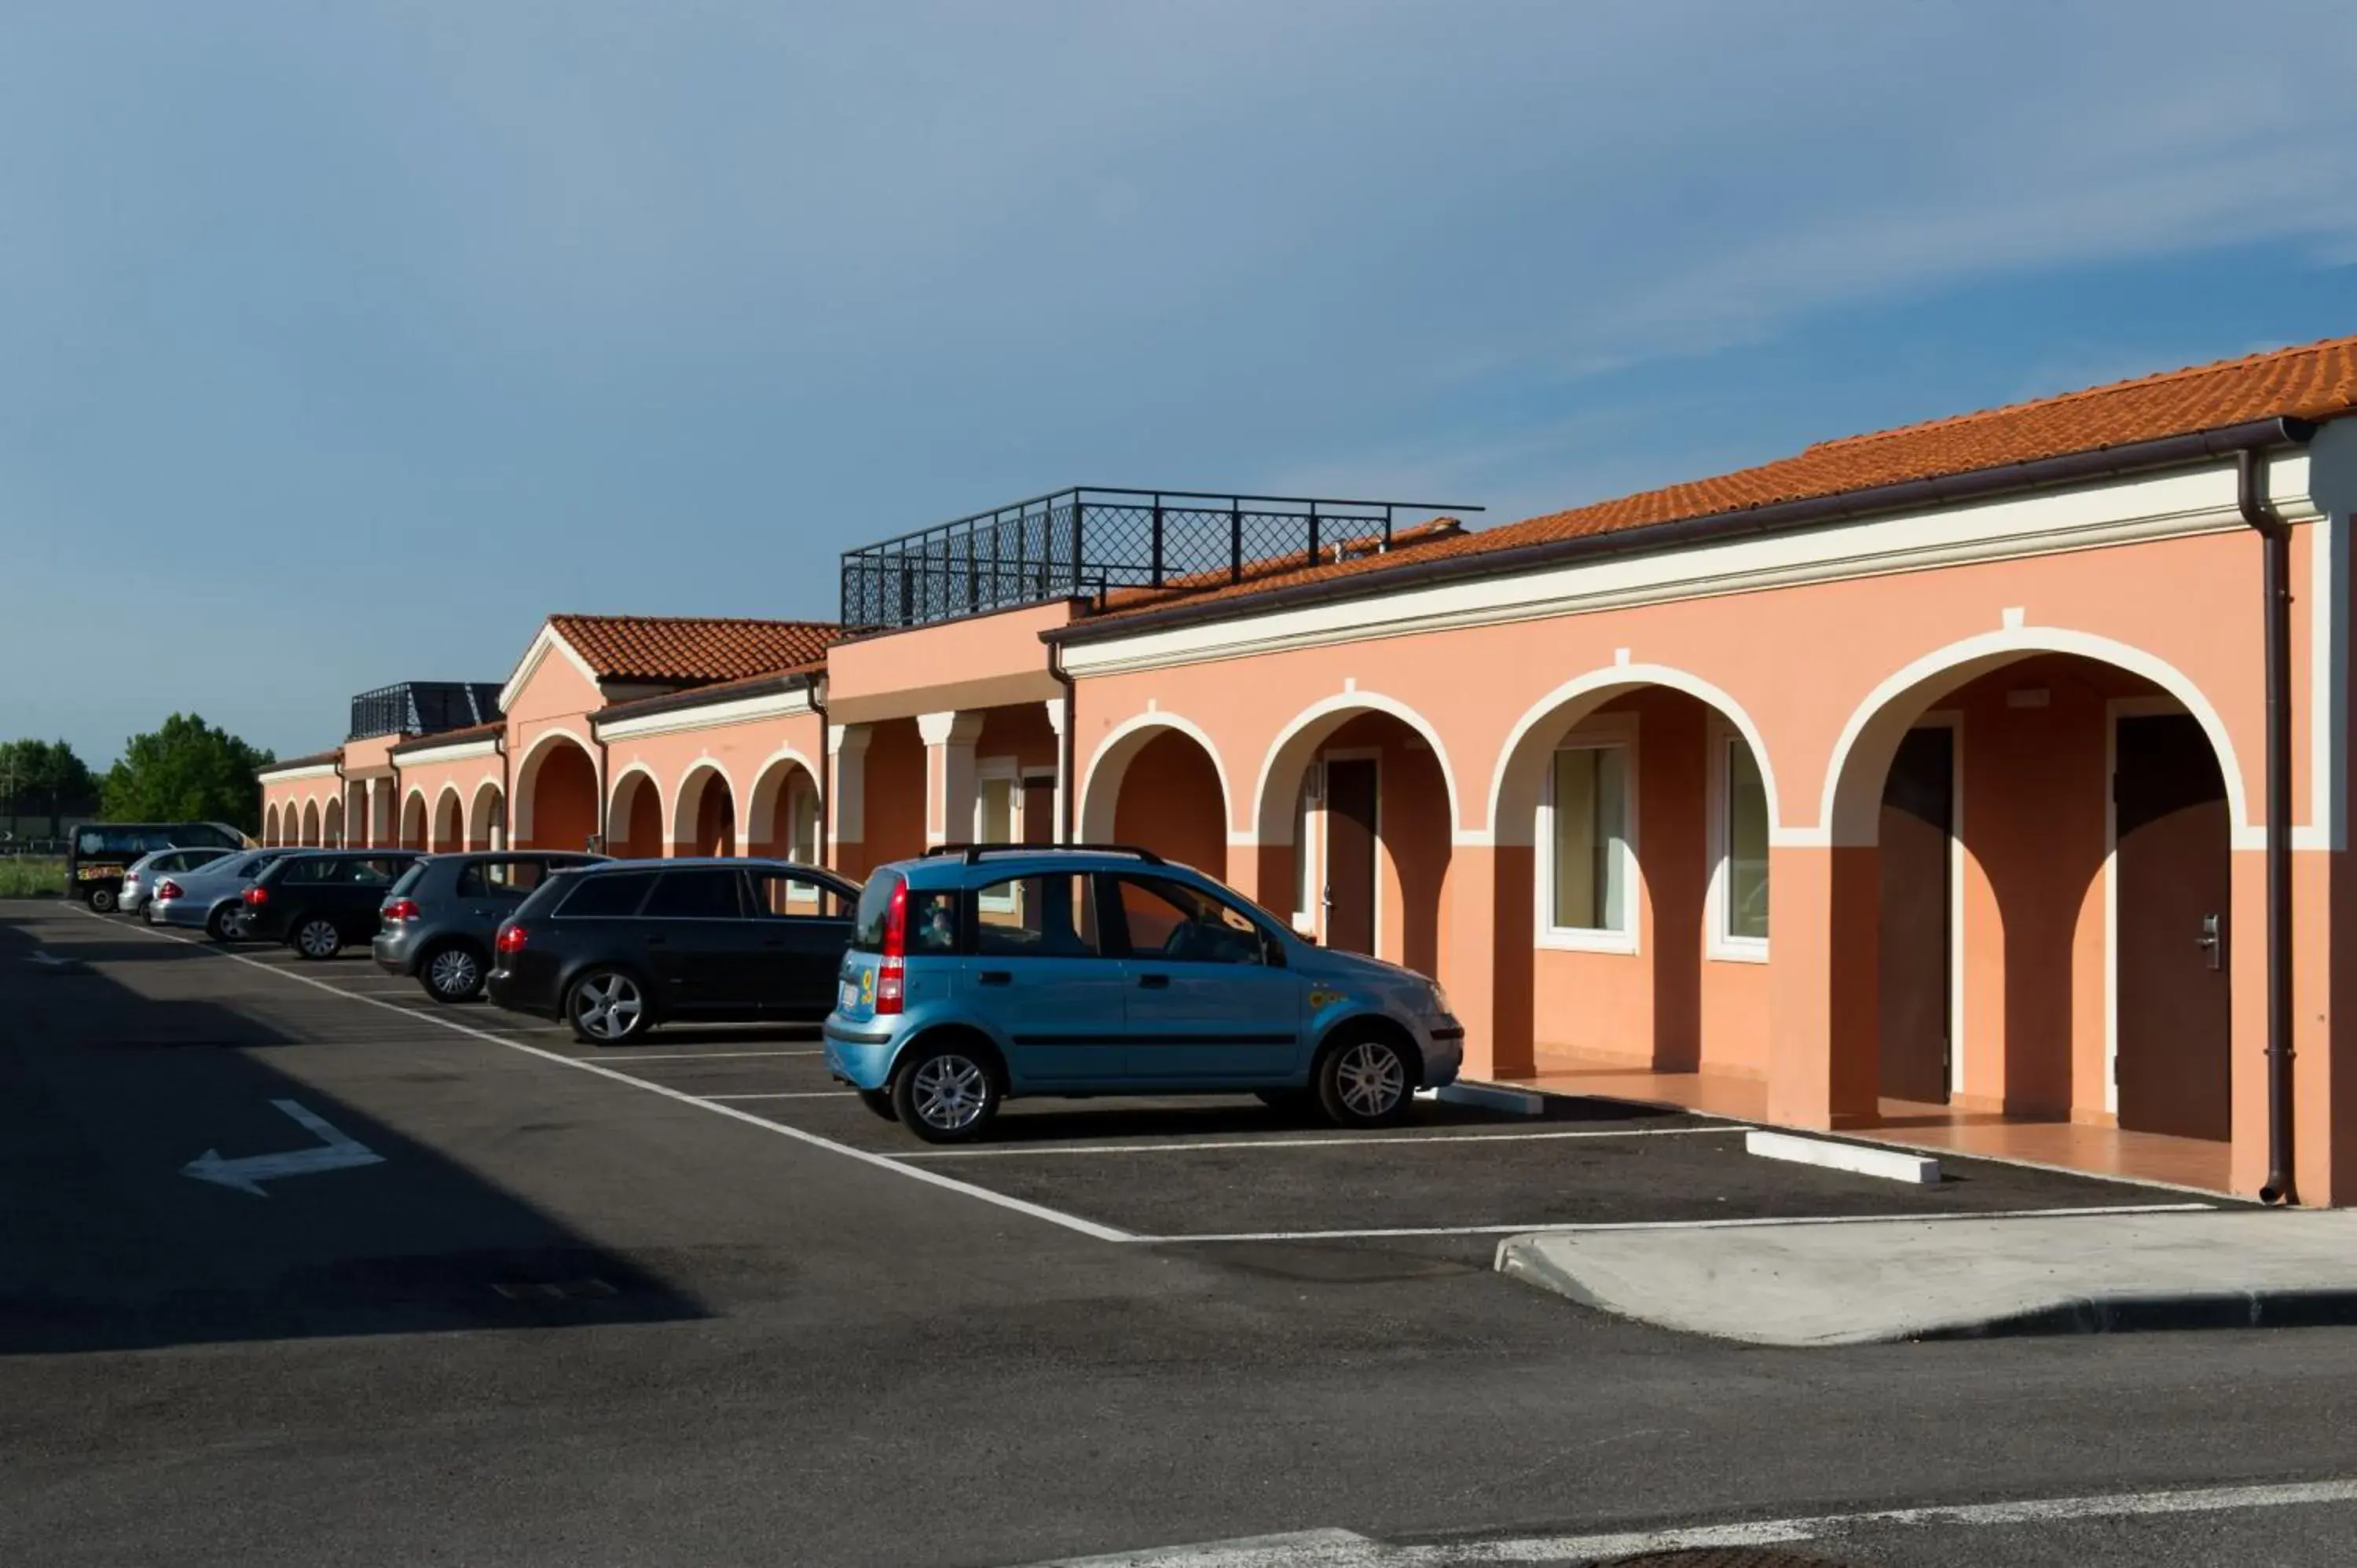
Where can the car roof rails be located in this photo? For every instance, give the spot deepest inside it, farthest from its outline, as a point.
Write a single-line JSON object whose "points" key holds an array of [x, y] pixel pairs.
{"points": [[972, 853]]}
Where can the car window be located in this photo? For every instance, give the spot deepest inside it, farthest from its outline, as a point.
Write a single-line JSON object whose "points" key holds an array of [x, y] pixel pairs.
{"points": [[1183, 923], [1034, 917], [775, 893], [409, 878], [598, 897], [321, 871], [500, 878], [376, 873], [706, 893]]}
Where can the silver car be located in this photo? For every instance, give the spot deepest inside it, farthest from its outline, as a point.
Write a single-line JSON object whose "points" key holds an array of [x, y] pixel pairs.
{"points": [[140, 878], [212, 899]]}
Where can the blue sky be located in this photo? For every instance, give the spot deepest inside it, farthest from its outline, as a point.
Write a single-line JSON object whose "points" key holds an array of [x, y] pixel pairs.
{"points": [[338, 344]]}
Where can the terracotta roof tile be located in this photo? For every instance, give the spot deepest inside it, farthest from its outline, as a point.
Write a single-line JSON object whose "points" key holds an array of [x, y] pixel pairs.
{"points": [[692, 650], [2316, 381]]}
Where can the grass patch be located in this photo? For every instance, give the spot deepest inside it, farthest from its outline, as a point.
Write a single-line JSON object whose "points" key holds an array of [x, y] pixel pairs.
{"points": [[32, 877]]}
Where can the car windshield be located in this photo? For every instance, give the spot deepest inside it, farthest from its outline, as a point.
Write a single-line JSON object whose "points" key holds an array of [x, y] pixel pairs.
{"points": [[409, 878]]}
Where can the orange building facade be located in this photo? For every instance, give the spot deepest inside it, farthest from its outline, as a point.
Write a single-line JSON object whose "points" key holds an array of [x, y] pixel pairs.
{"points": [[1979, 785]]}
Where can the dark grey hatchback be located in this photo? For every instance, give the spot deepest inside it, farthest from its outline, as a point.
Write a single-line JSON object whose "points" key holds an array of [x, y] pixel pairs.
{"points": [[615, 950], [438, 921]]}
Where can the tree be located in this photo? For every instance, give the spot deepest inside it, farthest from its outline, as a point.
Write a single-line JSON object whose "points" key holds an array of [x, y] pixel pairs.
{"points": [[187, 771], [46, 773]]}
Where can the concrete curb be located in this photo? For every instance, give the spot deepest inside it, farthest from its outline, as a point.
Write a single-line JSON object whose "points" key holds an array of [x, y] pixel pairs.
{"points": [[2126, 1312]]}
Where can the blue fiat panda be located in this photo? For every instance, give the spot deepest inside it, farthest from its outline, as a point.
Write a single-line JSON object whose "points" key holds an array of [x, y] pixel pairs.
{"points": [[982, 972]]}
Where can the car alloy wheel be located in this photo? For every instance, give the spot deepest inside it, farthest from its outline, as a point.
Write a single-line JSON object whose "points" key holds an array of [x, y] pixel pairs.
{"points": [[608, 1007], [950, 1092], [454, 975], [1371, 1079], [318, 938], [101, 901]]}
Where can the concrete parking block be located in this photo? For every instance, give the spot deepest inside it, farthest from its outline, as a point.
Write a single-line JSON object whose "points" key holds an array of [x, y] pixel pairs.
{"points": [[1805, 1285], [1890, 1165]]}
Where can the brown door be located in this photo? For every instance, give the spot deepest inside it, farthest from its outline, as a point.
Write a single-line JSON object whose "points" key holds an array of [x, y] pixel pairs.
{"points": [[1918, 816], [1351, 855], [2175, 1015], [1038, 811]]}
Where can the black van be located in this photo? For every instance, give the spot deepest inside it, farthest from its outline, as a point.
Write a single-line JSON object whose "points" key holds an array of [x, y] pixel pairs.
{"points": [[99, 852]]}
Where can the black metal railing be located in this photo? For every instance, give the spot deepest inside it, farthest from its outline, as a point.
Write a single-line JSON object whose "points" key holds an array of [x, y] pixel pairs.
{"points": [[423, 707], [1087, 541]]}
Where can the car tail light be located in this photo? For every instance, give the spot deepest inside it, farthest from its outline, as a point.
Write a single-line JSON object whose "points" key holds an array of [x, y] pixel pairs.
{"points": [[891, 975], [167, 888], [400, 909], [511, 939], [257, 897]]}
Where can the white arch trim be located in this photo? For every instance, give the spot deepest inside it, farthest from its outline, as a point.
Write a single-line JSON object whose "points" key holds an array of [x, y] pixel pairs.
{"points": [[755, 809], [1608, 679], [622, 785], [477, 816], [690, 798], [1120, 735], [457, 817], [1346, 704], [1994, 649], [527, 772]]}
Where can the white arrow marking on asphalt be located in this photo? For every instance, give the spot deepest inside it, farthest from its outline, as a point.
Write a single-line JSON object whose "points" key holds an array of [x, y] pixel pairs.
{"points": [[336, 1152]]}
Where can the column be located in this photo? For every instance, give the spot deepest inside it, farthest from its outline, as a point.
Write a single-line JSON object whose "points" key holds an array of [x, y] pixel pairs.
{"points": [[1823, 1028], [846, 794], [949, 740], [1486, 966], [1055, 706]]}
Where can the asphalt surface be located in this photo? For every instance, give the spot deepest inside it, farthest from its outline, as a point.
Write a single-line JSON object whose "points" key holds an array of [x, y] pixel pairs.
{"points": [[627, 1312]]}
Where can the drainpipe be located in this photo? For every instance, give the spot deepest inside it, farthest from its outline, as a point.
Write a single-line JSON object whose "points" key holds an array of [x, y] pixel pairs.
{"points": [[605, 767], [825, 773], [2274, 542], [1071, 789], [506, 793]]}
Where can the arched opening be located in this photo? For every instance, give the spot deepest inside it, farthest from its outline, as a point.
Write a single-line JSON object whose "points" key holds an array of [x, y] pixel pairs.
{"points": [[311, 823], [332, 826], [704, 819], [2041, 894], [1159, 786], [270, 824], [634, 819], [487, 818], [781, 816], [447, 814], [556, 795], [414, 820], [1631, 913], [1357, 812]]}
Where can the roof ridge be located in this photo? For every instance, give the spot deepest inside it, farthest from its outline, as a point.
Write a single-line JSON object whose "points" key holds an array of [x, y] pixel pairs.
{"points": [[2080, 395], [688, 620]]}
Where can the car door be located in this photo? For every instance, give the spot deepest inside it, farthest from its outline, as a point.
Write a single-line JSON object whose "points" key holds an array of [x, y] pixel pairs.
{"points": [[1206, 997], [803, 926], [1039, 973], [700, 942]]}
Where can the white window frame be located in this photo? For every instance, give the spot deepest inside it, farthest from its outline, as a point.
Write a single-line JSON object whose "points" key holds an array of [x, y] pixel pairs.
{"points": [[1609, 732], [1717, 943], [802, 892], [1005, 770], [1308, 848]]}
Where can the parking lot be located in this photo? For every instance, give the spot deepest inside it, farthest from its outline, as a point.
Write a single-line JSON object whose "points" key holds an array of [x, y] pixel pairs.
{"points": [[1171, 1172]]}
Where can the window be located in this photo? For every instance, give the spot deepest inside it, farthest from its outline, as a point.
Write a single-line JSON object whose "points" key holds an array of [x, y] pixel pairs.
{"points": [[320, 871], [1744, 838], [779, 896], [1304, 909], [801, 823], [377, 872], [500, 878], [1590, 864], [1185, 925], [708, 894], [601, 897], [1034, 916]]}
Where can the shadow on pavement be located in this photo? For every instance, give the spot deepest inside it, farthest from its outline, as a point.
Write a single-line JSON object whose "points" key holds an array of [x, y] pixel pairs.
{"points": [[110, 1093]]}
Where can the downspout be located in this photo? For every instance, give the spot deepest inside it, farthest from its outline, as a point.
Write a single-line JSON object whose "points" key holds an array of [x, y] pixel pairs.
{"points": [[2274, 543], [825, 773], [604, 763], [507, 794], [1072, 789]]}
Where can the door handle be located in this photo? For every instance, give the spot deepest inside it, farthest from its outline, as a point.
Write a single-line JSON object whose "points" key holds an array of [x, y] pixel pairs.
{"points": [[995, 977], [2208, 940], [1154, 981]]}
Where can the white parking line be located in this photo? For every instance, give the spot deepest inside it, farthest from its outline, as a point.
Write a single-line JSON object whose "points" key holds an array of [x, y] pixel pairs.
{"points": [[695, 1056], [1338, 1140], [796, 1094], [1558, 1228], [1346, 1549], [930, 1178]]}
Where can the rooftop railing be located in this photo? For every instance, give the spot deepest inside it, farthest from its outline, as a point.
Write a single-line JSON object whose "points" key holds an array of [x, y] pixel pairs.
{"points": [[1086, 541], [423, 707]]}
